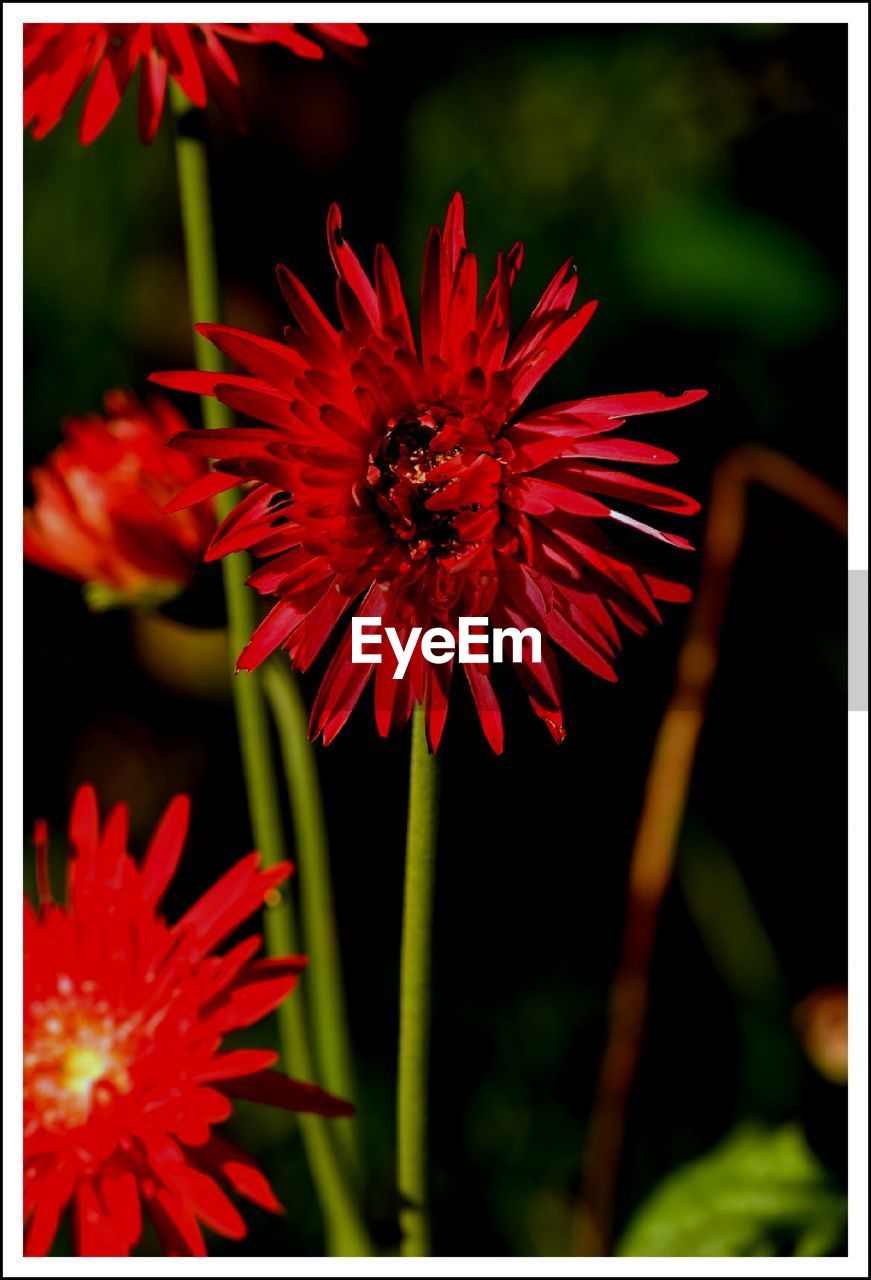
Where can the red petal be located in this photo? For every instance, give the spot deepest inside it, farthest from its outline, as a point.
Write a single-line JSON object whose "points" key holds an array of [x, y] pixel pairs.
{"points": [[113, 846], [273, 362], [391, 300], [210, 1203], [84, 826], [348, 267], [119, 1192], [315, 628], [277, 1090], [222, 79], [431, 297], [238, 893], [186, 69], [54, 1194], [345, 32], [486, 705], [551, 308], [539, 497], [438, 679], [202, 382], [620, 450], [622, 484], [240, 1171], [208, 486], [175, 1225], [152, 92], [634, 402], [275, 628], [93, 1228], [306, 312], [104, 95], [164, 849], [671, 592], [260, 988], [344, 681], [553, 348], [229, 442]]}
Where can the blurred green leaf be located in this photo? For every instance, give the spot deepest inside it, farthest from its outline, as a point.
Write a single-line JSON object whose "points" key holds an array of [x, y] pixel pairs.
{"points": [[715, 262], [760, 1193]]}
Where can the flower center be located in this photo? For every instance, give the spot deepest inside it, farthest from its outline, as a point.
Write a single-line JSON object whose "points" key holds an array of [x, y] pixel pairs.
{"points": [[76, 1056], [80, 1068], [408, 468], [424, 482]]}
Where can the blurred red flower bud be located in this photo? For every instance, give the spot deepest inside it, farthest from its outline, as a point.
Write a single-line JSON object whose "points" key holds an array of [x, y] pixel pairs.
{"points": [[99, 504]]}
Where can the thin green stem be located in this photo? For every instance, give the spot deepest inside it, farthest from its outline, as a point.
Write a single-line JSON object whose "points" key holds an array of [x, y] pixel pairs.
{"points": [[345, 1230], [329, 1022], [414, 996]]}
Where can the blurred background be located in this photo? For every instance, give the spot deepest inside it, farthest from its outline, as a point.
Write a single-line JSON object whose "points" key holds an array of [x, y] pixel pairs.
{"points": [[697, 175]]}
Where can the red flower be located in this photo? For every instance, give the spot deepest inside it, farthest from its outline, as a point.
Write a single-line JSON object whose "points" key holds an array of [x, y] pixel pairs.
{"points": [[412, 479], [124, 1018], [59, 57], [98, 514]]}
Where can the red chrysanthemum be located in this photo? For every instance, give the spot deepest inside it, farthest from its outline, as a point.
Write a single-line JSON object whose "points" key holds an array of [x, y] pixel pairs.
{"points": [[60, 56], [411, 482], [99, 504], [124, 1018]]}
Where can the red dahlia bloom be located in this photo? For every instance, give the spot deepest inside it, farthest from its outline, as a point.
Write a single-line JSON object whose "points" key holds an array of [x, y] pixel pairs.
{"points": [[98, 514], [60, 56], [124, 1018], [410, 479]]}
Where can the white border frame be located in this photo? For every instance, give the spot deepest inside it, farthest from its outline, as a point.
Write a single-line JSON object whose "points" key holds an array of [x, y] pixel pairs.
{"points": [[855, 17]]}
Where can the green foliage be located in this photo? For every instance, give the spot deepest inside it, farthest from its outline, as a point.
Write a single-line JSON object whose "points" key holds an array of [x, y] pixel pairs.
{"points": [[102, 284], [720, 264], [760, 1193], [625, 152]]}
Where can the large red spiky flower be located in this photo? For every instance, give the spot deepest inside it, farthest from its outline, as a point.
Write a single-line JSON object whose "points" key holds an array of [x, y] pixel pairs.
{"points": [[99, 504], [124, 1018], [60, 56], [407, 483]]}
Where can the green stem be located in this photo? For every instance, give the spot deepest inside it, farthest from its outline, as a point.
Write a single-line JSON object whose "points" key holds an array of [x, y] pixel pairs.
{"points": [[414, 996], [329, 1020], [346, 1233]]}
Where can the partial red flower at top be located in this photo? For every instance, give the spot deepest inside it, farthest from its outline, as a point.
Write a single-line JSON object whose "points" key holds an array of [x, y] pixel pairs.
{"points": [[98, 514], [60, 56], [407, 483], [124, 1019]]}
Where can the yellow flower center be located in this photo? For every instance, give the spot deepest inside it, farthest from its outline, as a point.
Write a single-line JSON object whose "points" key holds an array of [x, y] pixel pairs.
{"points": [[77, 1056], [80, 1068]]}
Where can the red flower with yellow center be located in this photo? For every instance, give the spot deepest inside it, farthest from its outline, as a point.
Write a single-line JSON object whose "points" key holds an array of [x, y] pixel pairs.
{"points": [[60, 56], [406, 482], [124, 1019], [98, 514]]}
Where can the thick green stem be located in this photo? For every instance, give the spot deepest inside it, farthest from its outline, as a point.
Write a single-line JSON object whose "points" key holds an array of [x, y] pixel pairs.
{"points": [[329, 1022], [346, 1233], [414, 996]]}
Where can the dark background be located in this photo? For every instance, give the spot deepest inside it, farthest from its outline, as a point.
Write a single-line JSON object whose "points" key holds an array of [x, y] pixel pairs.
{"points": [[697, 174]]}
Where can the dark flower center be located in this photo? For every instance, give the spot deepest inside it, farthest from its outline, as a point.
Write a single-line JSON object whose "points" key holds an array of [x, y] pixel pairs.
{"points": [[417, 458]]}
